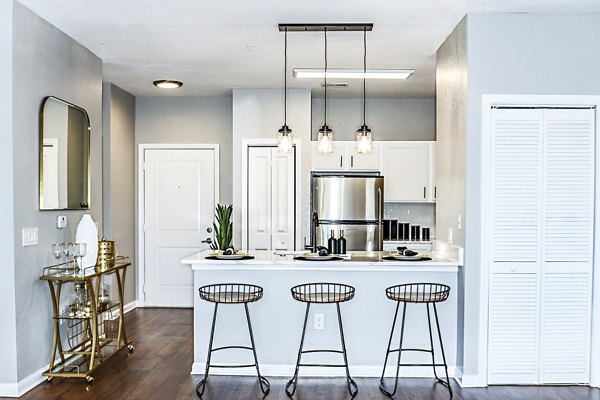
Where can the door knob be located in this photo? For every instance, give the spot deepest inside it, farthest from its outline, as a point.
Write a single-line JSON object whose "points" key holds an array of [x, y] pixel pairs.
{"points": [[208, 241], [209, 230]]}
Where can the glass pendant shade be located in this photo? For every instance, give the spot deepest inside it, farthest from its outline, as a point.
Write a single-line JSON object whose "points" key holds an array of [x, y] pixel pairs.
{"points": [[325, 140], [364, 141], [284, 140]]}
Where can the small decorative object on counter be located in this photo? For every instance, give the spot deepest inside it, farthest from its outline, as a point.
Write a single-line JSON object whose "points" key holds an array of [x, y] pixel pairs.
{"points": [[415, 232], [332, 243], [107, 253], [341, 243], [426, 233], [223, 227], [88, 233]]}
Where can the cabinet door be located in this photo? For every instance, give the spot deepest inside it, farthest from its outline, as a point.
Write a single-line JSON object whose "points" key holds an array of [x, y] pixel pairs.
{"points": [[356, 161], [333, 161], [282, 200], [406, 168]]}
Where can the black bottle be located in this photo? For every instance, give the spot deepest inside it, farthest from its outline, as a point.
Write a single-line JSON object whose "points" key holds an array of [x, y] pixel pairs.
{"points": [[341, 243], [332, 244]]}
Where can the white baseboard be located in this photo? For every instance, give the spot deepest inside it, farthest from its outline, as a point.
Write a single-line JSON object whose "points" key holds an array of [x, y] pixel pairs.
{"points": [[362, 371], [130, 306], [24, 385], [472, 381]]}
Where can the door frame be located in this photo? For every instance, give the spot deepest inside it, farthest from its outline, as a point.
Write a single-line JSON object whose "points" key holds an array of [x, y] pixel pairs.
{"points": [[488, 101], [140, 204], [246, 143]]}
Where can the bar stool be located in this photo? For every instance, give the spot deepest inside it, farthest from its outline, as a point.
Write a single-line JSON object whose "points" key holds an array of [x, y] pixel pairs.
{"points": [[430, 294], [322, 293], [231, 293]]}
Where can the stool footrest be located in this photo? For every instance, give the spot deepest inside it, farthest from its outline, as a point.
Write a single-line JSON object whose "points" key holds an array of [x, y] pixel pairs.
{"points": [[420, 350], [421, 365], [322, 351], [233, 366], [323, 365], [232, 347]]}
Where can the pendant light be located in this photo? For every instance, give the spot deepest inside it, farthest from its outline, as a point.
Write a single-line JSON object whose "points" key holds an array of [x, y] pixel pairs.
{"points": [[364, 140], [284, 138], [325, 140]]}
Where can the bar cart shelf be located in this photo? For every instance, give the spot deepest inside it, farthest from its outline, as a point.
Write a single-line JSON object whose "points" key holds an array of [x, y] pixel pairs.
{"points": [[91, 336]]}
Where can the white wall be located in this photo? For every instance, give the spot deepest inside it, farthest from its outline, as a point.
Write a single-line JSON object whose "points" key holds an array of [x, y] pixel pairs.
{"points": [[200, 120], [389, 119], [8, 334], [258, 114], [119, 177], [46, 62], [451, 157]]}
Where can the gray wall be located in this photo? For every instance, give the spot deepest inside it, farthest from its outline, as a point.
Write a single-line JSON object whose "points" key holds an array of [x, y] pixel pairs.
{"points": [[119, 177], [8, 335], [389, 119], [513, 54], [451, 157], [46, 62], [189, 120]]}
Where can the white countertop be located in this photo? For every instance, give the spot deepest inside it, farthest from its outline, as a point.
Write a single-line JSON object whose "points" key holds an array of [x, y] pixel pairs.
{"points": [[359, 261]]}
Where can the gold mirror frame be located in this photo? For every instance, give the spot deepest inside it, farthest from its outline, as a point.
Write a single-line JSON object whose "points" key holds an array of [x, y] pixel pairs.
{"points": [[74, 156]]}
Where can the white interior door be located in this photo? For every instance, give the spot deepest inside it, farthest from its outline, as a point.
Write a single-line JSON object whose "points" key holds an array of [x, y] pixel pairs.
{"points": [[271, 199], [179, 203]]}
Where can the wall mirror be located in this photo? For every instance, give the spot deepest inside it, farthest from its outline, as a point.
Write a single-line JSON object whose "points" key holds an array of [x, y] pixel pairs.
{"points": [[64, 156]]}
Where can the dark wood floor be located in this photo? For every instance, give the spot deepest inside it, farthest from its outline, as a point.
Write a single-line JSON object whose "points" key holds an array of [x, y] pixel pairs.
{"points": [[160, 369]]}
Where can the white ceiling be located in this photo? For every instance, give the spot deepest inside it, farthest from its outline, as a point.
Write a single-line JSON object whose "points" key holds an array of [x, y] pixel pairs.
{"points": [[214, 46]]}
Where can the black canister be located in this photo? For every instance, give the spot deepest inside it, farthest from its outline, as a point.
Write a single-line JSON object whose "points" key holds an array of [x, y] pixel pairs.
{"points": [[415, 232], [426, 233], [404, 231], [387, 229], [394, 229], [332, 243], [341, 243]]}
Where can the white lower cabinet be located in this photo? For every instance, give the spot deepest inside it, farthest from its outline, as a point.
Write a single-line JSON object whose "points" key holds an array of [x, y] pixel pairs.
{"points": [[271, 199], [541, 230]]}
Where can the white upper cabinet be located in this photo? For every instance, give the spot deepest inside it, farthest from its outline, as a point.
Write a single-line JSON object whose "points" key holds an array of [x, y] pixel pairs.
{"points": [[408, 168], [345, 157]]}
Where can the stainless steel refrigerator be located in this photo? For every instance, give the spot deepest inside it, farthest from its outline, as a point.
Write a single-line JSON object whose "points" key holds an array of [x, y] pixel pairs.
{"points": [[353, 203]]}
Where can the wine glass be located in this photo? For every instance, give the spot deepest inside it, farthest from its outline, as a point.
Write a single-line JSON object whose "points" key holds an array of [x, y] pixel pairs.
{"points": [[68, 249], [79, 251], [57, 251]]}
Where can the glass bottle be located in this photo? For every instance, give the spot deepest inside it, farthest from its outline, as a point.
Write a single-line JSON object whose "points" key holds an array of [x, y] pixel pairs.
{"points": [[341, 243], [332, 243]]}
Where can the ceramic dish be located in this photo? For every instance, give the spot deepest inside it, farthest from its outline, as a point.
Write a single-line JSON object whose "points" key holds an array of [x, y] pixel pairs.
{"points": [[318, 257], [229, 256]]}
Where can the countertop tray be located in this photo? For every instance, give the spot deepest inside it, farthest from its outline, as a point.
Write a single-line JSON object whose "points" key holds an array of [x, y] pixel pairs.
{"points": [[246, 257], [421, 258]]}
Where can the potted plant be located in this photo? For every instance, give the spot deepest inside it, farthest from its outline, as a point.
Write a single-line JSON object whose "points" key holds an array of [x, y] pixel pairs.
{"points": [[223, 227]]}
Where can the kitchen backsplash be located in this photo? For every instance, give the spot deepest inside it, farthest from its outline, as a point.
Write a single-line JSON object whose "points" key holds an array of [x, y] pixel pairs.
{"points": [[422, 214]]}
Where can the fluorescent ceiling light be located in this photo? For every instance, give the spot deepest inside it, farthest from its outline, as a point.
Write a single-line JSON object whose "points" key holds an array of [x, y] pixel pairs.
{"points": [[319, 73]]}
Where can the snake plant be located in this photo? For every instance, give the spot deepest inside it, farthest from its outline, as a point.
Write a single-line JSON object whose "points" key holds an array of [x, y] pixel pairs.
{"points": [[223, 227]]}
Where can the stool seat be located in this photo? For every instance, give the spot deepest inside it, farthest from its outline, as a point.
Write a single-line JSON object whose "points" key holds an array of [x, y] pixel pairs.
{"points": [[232, 293], [323, 293], [418, 292]]}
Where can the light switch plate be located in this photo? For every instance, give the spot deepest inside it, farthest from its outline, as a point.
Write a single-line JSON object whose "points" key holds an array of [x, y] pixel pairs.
{"points": [[30, 236], [61, 221]]}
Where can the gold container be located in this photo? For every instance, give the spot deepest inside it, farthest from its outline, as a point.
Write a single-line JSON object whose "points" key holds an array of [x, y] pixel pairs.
{"points": [[107, 253]]}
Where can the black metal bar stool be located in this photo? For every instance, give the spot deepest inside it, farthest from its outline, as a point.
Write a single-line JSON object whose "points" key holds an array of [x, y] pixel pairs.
{"points": [[231, 293], [322, 293], [430, 294]]}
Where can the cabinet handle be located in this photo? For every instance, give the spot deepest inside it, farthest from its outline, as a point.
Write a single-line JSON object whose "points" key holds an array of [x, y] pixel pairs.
{"points": [[341, 159], [435, 192], [351, 161], [424, 192]]}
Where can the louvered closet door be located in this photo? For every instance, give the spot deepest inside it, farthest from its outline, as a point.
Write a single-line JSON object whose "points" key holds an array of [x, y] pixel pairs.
{"points": [[567, 246], [516, 158]]}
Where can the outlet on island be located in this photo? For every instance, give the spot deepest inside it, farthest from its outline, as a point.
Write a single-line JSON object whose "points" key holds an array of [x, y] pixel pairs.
{"points": [[319, 321]]}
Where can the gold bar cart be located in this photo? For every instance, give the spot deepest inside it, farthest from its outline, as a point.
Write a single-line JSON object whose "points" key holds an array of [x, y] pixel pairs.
{"points": [[93, 337]]}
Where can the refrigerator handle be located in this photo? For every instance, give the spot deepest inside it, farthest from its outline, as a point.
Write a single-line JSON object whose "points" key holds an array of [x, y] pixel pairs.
{"points": [[380, 220]]}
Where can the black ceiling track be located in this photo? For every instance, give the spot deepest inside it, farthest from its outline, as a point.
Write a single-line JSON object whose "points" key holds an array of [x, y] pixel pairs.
{"points": [[329, 27]]}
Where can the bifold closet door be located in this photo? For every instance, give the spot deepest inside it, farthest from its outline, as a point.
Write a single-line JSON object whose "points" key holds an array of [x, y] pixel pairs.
{"points": [[542, 213], [271, 199]]}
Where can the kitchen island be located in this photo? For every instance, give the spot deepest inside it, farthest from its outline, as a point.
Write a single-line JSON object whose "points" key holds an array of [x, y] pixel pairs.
{"points": [[277, 318]]}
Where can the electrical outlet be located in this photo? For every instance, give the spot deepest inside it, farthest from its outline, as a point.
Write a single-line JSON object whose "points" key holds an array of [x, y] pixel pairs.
{"points": [[319, 321], [459, 224], [30, 236], [61, 221], [62, 312]]}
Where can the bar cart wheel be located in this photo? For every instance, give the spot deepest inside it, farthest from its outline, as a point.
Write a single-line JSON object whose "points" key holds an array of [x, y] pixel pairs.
{"points": [[131, 348], [48, 379], [89, 379]]}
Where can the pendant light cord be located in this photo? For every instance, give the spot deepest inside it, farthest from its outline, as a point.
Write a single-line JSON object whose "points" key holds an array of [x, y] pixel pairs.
{"points": [[365, 78], [285, 81], [325, 122]]}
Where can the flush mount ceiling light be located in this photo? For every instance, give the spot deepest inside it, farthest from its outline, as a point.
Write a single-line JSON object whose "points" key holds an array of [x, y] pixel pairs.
{"points": [[284, 137], [167, 84], [318, 73]]}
